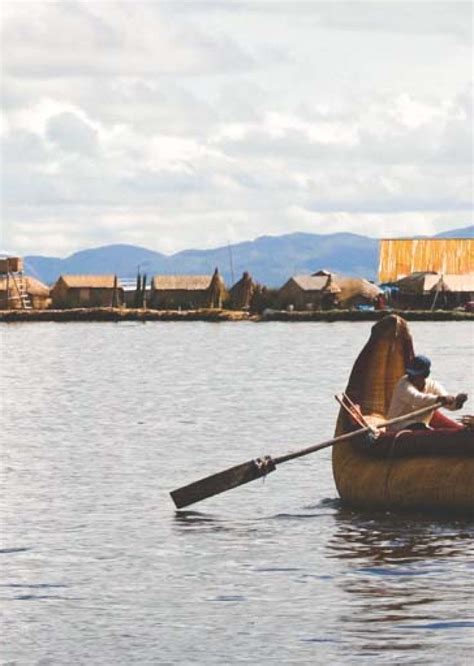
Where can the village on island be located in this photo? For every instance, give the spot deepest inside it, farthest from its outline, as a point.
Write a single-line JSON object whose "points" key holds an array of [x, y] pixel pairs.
{"points": [[428, 275]]}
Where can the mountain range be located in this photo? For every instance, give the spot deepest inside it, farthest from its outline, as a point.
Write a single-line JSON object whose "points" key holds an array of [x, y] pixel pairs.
{"points": [[271, 260]]}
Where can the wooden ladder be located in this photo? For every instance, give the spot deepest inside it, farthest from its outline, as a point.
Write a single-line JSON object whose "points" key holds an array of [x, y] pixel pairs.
{"points": [[21, 290]]}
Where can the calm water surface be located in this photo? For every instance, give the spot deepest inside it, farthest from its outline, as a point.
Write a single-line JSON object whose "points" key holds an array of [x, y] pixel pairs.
{"points": [[100, 421]]}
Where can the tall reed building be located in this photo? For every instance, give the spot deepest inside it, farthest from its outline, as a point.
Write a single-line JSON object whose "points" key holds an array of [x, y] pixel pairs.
{"points": [[426, 273], [400, 257]]}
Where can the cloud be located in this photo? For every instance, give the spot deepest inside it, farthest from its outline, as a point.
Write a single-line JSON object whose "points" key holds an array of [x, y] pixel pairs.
{"points": [[23, 147], [178, 124], [393, 131], [80, 39], [398, 16], [72, 134]]}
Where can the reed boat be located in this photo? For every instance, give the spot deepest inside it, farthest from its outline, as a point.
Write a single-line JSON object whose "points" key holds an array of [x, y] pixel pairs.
{"points": [[428, 470]]}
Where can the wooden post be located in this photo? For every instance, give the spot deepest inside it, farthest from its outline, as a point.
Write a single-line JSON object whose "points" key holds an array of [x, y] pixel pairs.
{"points": [[114, 292], [143, 294], [437, 290]]}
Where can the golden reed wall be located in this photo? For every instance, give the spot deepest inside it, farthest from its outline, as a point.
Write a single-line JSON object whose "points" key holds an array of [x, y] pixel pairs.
{"points": [[444, 255]]}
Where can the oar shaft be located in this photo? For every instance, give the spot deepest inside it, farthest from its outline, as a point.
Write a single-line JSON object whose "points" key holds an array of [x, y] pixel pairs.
{"points": [[254, 469], [352, 435], [318, 447]]}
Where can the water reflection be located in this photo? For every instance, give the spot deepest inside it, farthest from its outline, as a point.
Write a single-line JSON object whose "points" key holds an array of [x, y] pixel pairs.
{"points": [[389, 538], [396, 576], [189, 521], [193, 517], [186, 521]]}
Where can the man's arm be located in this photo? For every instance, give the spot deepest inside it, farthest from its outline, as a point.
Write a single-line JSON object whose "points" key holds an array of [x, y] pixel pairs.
{"points": [[419, 399], [451, 402]]}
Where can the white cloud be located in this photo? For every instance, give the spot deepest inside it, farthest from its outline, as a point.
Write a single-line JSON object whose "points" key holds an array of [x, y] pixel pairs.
{"points": [[72, 134], [173, 125], [77, 39]]}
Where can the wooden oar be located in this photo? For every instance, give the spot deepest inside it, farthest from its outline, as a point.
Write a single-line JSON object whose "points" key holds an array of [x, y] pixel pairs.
{"points": [[255, 469]]}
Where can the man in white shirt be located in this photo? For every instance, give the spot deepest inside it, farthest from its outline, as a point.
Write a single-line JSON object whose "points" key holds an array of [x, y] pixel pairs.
{"points": [[415, 390]]}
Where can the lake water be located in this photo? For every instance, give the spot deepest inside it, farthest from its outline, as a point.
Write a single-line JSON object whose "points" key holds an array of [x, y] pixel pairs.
{"points": [[101, 421]]}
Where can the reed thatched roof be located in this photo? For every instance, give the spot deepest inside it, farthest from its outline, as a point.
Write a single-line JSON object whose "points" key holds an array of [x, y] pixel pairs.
{"points": [[181, 282], [352, 287], [419, 283], [244, 282], [89, 281], [33, 286], [242, 291], [347, 288], [316, 283], [456, 283]]}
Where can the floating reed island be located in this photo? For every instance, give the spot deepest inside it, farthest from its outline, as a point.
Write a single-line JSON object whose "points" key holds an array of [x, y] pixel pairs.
{"points": [[222, 315], [122, 315]]}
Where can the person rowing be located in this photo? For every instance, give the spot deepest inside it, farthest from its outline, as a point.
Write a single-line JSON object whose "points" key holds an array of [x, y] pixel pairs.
{"points": [[416, 390]]}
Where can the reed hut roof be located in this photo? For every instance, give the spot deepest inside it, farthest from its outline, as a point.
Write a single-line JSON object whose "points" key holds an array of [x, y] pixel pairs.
{"points": [[352, 287], [347, 287], [217, 278], [33, 286], [456, 283], [181, 282], [419, 283], [245, 281], [416, 283], [89, 281], [316, 283]]}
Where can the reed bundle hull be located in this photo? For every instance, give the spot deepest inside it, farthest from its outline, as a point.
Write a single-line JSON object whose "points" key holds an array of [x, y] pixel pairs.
{"points": [[430, 482], [417, 470]]}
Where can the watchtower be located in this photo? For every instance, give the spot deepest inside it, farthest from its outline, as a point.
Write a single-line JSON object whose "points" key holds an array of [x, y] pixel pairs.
{"points": [[11, 272]]}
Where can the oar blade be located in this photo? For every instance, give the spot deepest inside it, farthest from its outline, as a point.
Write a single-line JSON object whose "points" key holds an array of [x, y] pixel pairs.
{"points": [[222, 481]]}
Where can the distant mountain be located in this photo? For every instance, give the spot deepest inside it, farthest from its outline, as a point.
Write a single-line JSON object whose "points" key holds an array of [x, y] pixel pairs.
{"points": [[271, 260], [466, 232], [123, 260]]}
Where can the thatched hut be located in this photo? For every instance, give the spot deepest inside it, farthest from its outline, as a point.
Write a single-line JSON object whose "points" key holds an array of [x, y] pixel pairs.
{"points": [[189, 292], [308, 292], [241, 292], [424, 290], [356, 291], [325, 290], [87, 291], [25, 291]]}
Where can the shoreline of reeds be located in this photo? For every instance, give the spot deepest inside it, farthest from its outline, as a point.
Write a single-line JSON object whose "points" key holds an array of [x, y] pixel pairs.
{"points": [[124, 315]]}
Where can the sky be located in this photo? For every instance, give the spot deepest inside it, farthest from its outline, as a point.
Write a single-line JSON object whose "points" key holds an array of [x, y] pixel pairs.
{"points": [[174, 125]]}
